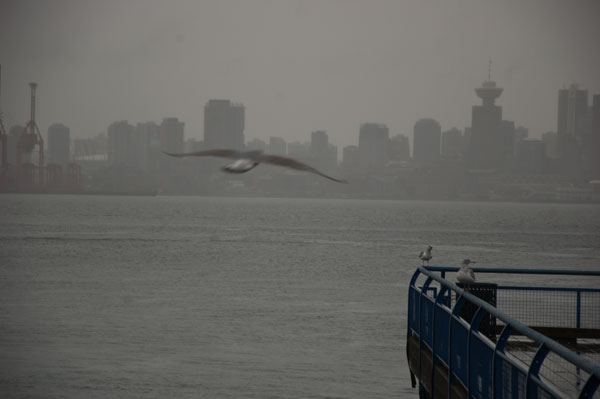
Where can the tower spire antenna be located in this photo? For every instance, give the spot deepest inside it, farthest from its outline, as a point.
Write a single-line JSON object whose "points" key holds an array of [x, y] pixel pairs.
{"points": [[490, 71]]}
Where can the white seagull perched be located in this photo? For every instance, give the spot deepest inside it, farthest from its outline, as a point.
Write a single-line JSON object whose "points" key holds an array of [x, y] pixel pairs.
{"points": [[465, 274], [245, 161], [426, 256]]}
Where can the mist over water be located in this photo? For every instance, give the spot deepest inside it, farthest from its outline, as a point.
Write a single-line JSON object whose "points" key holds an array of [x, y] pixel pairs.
{"points": [[231, 297]]}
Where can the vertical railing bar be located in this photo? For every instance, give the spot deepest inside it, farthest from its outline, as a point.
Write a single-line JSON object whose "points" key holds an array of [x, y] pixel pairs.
{"points": [[453, 318], [578, 309], [411, 291], [474, 324], [500, 345], [534, 368], [590, 387], [423, 290]]}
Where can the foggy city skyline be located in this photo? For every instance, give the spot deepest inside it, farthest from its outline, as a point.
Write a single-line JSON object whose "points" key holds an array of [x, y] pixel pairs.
{"points": [[297, 67], [272, 198]]}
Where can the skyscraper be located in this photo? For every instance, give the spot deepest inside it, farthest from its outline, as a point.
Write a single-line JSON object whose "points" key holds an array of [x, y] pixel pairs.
{"points": [[595, 139], [151, 157], [571, 118], [124, 145], [572, 111], [59, 144], [427, 136], [373, 147], [224, 125], [320, 151], [172, 135]]}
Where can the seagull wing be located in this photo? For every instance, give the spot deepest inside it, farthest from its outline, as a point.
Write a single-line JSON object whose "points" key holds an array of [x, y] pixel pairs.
{"points": [[293, 164], [421, 254], [472, 274], [208, 153]]}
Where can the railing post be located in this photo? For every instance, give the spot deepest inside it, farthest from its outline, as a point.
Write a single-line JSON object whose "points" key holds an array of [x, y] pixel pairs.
{"points": [[473, 325], [534, 369], [578, 308], [500, 345]]}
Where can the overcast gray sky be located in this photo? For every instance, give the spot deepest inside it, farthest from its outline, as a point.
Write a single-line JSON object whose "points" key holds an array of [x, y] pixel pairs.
{"points": [[297, 66]]}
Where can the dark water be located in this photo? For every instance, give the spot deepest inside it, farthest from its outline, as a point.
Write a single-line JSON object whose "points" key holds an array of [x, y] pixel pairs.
{"points": [[154, 297]]}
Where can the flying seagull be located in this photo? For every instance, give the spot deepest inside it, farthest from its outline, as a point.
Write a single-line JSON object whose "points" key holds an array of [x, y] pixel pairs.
{"points": [[465, 274], [426, 256], [247, 160]]}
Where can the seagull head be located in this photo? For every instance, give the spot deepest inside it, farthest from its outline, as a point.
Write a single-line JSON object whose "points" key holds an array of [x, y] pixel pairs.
{"points": [[466, 262]]}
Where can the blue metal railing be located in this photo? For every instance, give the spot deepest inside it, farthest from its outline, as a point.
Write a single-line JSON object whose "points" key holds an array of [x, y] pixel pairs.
{"points": [[450, 356]]}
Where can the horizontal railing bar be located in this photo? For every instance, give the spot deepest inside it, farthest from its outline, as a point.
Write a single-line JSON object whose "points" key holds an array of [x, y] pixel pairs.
{"points": [[528, 288], [552, 345], [517, 271]]}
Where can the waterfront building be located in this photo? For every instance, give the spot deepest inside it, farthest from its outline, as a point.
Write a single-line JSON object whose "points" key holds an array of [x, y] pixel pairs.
{"points": [[550, 140], [277, 146], [172, 135], [299, 150], [373, 147], [452, 144], [323, 155], [594, 147], [59, 144], [256, 144], [125, 146], [571, 119], [350, 159], [224, 125], [427, 138], [400, 148], [530, 157], [12, 141], [151, 157]]}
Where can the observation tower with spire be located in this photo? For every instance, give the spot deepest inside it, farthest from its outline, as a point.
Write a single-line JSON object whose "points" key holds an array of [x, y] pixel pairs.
{"points": [[486, 149], [488, 92]]}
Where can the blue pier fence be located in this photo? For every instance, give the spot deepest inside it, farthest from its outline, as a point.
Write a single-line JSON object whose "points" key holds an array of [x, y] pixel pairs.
{"points": [[503, 341]]}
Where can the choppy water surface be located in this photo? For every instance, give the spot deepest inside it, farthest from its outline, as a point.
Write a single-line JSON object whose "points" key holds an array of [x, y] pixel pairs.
{"points": [[209, 297]]}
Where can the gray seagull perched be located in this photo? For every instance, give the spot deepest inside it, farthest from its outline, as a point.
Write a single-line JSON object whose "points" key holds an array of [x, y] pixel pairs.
{"points": [[465, 274], [426, 256], [247, 160]]}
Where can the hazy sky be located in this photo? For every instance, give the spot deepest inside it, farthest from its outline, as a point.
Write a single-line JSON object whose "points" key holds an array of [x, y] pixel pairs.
{"points": [[297, 66]]}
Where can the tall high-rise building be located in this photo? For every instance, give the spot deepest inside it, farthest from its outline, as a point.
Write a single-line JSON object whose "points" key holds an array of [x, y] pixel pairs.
{"points": [[572, 116], [550, 140], [172, 135], [151, 156], [487, 143], [373, 147], [350, 159], [572, 111], [452, 144], [427, 136], [509, 136], [125, 146], [596, 115], [322, 156], [594, 155], [59, 144], [224, 124]]}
